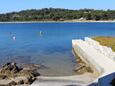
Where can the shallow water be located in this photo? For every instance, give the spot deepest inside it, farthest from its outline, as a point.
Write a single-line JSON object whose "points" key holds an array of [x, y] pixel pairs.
{"points": [[48, 44]]}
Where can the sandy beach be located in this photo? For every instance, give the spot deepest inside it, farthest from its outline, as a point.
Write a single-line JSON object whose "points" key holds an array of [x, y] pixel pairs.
{"points": [[66, 21]]}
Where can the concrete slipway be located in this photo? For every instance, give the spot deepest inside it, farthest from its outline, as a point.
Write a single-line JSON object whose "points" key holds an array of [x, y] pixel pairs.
{"points": [[102, 65]]}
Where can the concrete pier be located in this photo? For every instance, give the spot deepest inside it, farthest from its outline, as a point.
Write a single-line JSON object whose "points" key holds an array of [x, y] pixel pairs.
{"points": [[101, 64]]}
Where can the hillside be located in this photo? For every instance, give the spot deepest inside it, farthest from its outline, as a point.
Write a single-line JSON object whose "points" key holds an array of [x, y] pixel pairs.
{"points": [[56, 14]]}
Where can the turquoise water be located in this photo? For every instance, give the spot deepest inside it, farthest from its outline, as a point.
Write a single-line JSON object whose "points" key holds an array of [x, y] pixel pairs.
{"points": [[51, 48]]}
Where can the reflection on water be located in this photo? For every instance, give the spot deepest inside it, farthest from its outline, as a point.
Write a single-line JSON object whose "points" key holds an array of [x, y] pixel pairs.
{"points": [[48, 44]]}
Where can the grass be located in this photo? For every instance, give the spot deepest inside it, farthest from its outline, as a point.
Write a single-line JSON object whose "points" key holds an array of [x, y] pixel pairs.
{"points": [[106, 41]]}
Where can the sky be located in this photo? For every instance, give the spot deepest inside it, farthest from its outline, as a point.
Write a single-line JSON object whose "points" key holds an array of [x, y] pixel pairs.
{"points": [[18, 5]]}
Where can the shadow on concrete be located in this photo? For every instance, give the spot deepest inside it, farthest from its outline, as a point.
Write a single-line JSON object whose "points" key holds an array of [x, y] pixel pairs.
{"points": [[93, 84], [108, 80], [72, 85]]}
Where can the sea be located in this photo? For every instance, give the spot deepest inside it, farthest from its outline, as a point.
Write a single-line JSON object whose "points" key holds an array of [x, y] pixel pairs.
{"points": [[47, 44]]}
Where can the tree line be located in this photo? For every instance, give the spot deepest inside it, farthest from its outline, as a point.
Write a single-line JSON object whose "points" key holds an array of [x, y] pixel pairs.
{"points": [[57, 14]]}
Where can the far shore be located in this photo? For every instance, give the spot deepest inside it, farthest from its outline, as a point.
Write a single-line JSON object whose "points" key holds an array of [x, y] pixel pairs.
{"points": [[66, 21]]}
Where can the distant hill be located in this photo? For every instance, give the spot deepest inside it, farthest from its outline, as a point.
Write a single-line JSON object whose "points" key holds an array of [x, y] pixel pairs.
{"points": [[56, 14]]}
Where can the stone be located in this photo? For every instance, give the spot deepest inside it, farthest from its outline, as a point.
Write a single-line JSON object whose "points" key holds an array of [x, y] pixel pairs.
{"points": [[20, 82], [18, 75], [79, 66], [10, 67], [12, 83], [3, 77], [30, 66], [32, 73]]}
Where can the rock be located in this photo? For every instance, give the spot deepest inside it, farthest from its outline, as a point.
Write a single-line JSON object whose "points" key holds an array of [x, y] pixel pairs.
{"points": [[29, 80], [30, 66], [3, 77], [20, 82], [24, 80], [14, 68], [12, 83], [18, 75], [79, 66], [10, 67], [79, 60], [89, 69], [32, 73], [33, 67], [9, 70]]}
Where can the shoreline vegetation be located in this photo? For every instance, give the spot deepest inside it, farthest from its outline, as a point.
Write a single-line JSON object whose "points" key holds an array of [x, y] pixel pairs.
{"points": [[59, 15], [106, 41]]}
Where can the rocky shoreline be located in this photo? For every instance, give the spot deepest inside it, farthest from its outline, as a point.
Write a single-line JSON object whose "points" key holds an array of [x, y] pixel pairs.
{"points": [[26, 74], [81, 67], [11, 74]]}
